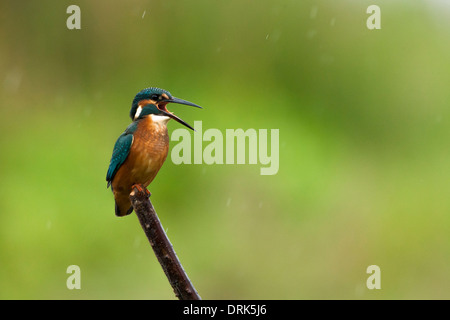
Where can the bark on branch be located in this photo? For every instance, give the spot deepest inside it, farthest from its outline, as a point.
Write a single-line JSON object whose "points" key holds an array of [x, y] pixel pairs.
{"points": [[161, 245]]}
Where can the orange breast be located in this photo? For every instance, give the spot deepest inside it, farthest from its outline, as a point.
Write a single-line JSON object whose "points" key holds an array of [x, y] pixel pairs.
{"points": [[147, 154]]}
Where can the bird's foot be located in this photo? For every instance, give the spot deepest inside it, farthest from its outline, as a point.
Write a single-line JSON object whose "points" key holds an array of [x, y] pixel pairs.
{"points": [[140, 188]]}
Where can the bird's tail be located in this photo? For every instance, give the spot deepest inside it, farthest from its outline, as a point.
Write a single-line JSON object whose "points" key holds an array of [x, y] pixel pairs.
{"points": [[124, 211]]}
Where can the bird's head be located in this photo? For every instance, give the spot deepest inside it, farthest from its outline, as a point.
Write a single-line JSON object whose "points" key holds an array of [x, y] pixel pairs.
{"points": [[153, 101]]}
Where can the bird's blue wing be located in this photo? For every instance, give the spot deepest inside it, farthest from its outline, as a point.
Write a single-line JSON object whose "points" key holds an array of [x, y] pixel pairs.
{"points": [[120, 152]]}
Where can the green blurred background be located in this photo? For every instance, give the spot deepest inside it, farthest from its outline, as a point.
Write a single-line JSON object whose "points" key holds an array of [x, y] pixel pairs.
{"points": [[364, 159]]}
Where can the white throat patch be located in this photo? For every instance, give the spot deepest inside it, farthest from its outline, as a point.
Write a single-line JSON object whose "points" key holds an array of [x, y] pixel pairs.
{"points": [[159, 119]]}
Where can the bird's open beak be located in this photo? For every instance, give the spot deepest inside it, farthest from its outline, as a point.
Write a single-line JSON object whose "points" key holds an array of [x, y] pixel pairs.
{"points": [[162, 106], [181, 101]]}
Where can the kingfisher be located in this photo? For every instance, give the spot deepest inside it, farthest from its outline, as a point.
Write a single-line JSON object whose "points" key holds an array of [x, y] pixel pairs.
{"points": [[142, 148]]}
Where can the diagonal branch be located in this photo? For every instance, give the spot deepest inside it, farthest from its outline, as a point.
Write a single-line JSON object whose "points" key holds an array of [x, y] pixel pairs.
{"points": [[161, 245]]}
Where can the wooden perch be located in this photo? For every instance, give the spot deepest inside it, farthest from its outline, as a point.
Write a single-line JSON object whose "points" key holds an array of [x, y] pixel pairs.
{"points": [[161, 245]]}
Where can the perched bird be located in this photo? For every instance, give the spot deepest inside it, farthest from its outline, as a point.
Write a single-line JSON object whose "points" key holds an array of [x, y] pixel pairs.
{"points": [[142, 148]]}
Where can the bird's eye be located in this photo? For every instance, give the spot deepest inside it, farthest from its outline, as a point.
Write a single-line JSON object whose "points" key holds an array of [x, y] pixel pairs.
{"points": [[154, 97]]}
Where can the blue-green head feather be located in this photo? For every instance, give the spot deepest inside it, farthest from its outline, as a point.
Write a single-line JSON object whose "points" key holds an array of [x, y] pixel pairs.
{"points": [[149, 95], [154, 101]]}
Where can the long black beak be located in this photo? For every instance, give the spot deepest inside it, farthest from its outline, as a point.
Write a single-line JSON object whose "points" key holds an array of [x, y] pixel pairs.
{"points": [[181, 101], [174, 117]]}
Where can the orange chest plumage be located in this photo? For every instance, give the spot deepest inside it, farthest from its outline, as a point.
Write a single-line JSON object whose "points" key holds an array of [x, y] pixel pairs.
{"points": [[147, 154], [149, 150]]}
